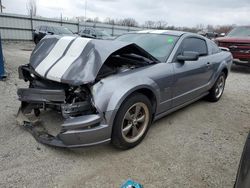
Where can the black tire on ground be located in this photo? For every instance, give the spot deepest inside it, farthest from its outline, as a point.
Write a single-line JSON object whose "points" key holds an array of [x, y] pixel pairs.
{"points": [[122, 138], [218, 88]]}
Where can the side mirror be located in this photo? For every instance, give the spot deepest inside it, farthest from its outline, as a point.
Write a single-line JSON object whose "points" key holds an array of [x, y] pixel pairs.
{"points": [[188, 56]]}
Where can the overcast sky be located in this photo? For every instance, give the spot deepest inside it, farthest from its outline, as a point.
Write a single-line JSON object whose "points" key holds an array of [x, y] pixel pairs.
{"points": [[174, 12]]}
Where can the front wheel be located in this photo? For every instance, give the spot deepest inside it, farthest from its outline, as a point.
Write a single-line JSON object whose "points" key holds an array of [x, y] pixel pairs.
{"points": [[217, 90], [132, 122]]}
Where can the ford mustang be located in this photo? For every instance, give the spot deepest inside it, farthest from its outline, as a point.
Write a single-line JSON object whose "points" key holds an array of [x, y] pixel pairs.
{"points": [[111, 91]]}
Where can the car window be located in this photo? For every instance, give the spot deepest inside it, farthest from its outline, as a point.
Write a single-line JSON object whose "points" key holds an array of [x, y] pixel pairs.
{"points": [[43, 28], [239, 32], [86, 31], [63, 30], [102, 33], [214, 48], [92, 32], [158, 45], [50, 29], [195, 45]]}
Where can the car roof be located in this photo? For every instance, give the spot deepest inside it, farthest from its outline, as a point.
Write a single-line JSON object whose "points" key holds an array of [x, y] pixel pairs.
{"points": [[167, 32]]}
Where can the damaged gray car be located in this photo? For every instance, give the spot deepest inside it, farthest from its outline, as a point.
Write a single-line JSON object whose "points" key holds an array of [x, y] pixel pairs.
{"points": [[111, 91]]}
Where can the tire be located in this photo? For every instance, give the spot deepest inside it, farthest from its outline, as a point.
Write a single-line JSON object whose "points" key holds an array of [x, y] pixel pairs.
{"points": [[218, 88], [132, 122]]}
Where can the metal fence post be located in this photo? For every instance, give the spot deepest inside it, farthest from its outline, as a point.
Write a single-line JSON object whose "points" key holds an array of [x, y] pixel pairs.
{"points": [[31, 25], [2, 72], [113, 29], [78, 25]]}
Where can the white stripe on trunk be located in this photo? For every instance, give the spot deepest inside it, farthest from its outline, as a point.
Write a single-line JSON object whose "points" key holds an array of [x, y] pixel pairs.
{"points": [[63, 64], [54, 55]]}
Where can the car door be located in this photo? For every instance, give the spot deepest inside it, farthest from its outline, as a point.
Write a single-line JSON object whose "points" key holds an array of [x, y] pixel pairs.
{"points": [[191, 77]]}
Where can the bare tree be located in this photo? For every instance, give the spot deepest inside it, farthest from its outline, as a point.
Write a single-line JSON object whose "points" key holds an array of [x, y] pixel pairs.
{"points": [[161, 24], [224, 28], [131, 22], [31, 7], [149, 24], [109, 21]]}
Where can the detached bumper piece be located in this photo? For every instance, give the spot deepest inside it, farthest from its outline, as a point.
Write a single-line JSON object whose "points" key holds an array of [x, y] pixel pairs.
{"points": [[79, 131]]}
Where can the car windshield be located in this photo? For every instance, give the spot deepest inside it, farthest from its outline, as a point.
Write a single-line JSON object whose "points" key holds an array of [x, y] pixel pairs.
{"points": [[63, 30], [240, 32], [158, 45], [102, 33]]}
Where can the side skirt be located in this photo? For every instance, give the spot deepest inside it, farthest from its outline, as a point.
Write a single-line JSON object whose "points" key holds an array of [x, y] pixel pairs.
{"points": [[163, 114]]}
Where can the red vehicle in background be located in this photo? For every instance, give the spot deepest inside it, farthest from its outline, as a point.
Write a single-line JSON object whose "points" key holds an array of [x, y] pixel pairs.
{"points": [[238, 42]]}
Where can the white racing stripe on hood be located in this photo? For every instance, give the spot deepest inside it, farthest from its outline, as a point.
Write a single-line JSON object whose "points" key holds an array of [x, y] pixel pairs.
{"points": [[71, 55], [54, 55]]}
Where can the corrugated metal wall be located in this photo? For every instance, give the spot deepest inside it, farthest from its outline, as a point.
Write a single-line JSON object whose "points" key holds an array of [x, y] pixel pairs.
{"points": [[19, 27]]}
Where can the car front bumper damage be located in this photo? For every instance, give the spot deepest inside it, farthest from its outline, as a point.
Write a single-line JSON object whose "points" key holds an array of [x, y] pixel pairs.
{"points": [[79, 131]]}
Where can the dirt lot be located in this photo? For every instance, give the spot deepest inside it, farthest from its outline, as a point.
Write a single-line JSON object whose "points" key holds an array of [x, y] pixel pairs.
{"points": [[198, 146]]}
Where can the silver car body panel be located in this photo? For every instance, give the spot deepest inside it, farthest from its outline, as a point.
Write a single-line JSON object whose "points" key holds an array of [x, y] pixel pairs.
{"points": [[173, 85]]}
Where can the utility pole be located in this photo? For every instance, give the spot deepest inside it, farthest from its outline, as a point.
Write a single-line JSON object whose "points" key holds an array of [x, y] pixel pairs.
{"points": [[85, 18], [1, 6], [61, 19]]}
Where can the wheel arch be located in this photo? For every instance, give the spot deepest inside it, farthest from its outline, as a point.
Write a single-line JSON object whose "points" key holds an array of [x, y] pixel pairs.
{"points": [[225, 70], [143, 89], [146, 92]]}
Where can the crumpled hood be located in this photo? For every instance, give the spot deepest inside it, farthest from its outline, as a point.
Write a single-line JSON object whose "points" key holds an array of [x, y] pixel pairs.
{"points": [[74, 60]]}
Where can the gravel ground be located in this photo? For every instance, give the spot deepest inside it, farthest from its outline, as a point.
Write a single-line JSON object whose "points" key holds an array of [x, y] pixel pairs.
{"points": [[198, 146]]}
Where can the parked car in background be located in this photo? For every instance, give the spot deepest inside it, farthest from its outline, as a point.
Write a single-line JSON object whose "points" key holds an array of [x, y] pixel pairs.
{"points": [[42, 31], [95, 33], [112, 90], [209, 34], [238, 42]]}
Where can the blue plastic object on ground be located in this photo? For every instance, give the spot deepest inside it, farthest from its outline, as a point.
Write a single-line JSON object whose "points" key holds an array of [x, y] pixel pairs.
{"points": [[131, 184], [2, 72]]}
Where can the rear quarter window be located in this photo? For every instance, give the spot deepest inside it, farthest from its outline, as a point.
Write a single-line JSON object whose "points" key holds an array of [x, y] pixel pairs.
{"points": [[214, 48]]}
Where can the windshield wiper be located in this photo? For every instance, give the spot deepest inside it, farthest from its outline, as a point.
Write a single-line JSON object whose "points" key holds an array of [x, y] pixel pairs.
{"points": [[140, 57]]}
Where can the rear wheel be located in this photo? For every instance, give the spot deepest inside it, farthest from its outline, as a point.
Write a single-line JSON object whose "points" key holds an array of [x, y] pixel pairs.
{"points": [[132, 122], [217, 90]]}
